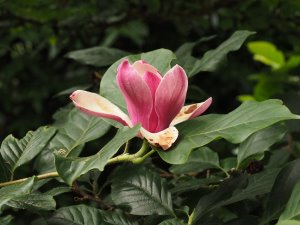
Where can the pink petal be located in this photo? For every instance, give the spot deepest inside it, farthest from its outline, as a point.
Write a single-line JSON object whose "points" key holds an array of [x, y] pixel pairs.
{"points": [[170, 96], [137, 94], [142, 67], [95, 105], [152, 81], [163, 139], [191, 111]]}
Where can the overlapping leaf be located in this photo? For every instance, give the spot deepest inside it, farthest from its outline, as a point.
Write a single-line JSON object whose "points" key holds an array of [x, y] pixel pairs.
{"points": [[70, 168], [18, 152], [235, 127]]}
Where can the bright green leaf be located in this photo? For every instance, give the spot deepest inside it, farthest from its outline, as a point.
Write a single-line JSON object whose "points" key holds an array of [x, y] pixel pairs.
{"points": [[143, 191], [18, 152], [71, 168], [266, 53], [235, 127]]}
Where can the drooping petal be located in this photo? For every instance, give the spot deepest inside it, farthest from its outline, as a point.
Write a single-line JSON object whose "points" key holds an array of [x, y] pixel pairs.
{"points": [[95, 105], [191, 111], [152, 81], [163, 139], [142, 67], [137, 94], [170, 96]]}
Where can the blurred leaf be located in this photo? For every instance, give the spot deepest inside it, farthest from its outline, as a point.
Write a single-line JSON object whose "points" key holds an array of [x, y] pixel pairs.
{"points": [[14, 191], [143, 191], [199, 160], [212, 58], [33, 201], [6, 220], [97, 56], [161, 59], [172, 222], [74, 129], [4, 170], [289, 222], [69, 169], [247, 220], [266, 53], [281, 191], [18, 152], [292, 208], [258, 143], [235, 127]]}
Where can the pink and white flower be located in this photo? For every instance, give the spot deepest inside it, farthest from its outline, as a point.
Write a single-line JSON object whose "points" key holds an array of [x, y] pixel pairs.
{"points": [[154, 101]]}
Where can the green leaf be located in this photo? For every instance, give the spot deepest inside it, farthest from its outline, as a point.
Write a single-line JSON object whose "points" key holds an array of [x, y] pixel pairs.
{"points": [[172, 222], [234, 190], [117, 218], [143, 191], [14, 191], [266, 53], [6, 220], [71, 168], [235, 127], [97, 56], [33, 201], [258, 143], [18, 152], [4, 170], [77, 215], [199, 160], [161, 59], [57, 191], [211, 59], [289, 222], [281, 191], [74, 129], [292, 208]]}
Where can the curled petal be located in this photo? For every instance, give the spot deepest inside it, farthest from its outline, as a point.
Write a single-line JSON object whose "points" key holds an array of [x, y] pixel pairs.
{"points": [[163, 139], [170, 96], [95, 105], [142, 67], [137, 94], [191, 111]]}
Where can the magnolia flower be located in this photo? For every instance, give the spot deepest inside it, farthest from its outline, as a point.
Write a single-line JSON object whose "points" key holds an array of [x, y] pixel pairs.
{"points": [[154, 101]]}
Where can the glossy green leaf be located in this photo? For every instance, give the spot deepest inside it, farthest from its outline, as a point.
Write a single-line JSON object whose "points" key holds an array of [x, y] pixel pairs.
{"points": [[212, 58], [199, 160], [14, 191], [281, 191], [97, 56], [57, 191], [117, 218], [161, 59], [143, 191], [77, 215], [18, 152], [74, 129], [259, 142], [70, 168], [33, 202], [292, 208], [235, 127], [266, 53], [173, 222]]}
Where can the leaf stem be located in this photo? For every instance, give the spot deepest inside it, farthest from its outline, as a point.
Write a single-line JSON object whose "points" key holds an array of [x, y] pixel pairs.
{"points": [[39, 177], [136, 158]]}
